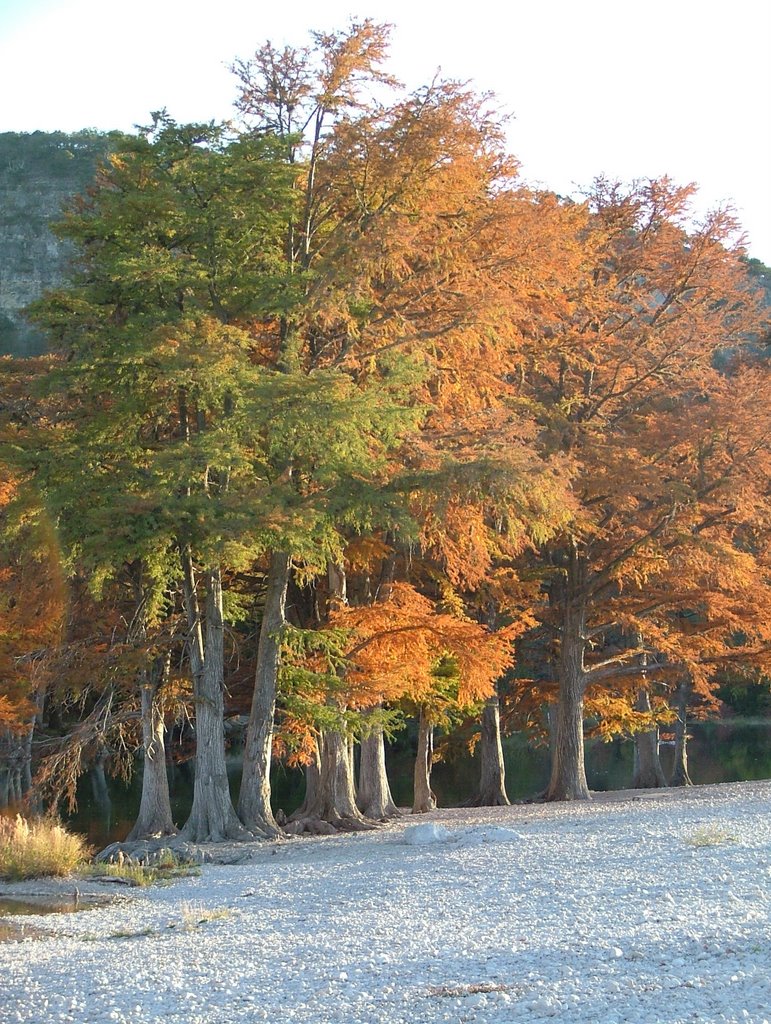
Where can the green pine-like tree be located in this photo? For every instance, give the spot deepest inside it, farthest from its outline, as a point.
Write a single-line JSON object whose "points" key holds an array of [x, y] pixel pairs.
{"points": [[186, 439]]}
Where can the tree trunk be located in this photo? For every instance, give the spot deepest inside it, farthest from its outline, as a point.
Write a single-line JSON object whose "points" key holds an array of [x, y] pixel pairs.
{"points": [[312, 779], [12, 756], [16, 761], [424, 799], [5, 770], [26, 781], [492, 782], [334, 799], [374, 798], [100, 791], [337, 781], [648, 773], [334, 802], [154, 818], [551, 727], [680, 776], [212, 817], [568, 771], [254, 800]]}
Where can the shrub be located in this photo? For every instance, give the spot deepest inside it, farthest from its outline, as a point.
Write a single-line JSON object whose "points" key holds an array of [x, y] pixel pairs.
{"points": [[38, 847]]}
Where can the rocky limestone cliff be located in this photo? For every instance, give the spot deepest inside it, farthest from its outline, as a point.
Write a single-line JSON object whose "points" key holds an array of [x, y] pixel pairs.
{"points": [[39, 172]]}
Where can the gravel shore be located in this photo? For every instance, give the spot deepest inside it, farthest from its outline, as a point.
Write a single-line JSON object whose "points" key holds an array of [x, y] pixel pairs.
{"points": [[638, 907]]}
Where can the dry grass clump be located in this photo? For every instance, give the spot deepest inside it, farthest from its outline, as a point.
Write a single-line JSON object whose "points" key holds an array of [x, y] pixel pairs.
{"points": [[164, 868], [193, 915], [127, 872], [709, 836], [38, 847]]}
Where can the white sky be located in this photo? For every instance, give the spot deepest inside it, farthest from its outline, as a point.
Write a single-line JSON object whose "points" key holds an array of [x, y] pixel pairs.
{"points": [[628, 89]]}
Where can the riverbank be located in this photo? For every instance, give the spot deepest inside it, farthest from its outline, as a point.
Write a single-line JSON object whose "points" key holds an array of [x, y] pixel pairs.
{"points": [[638, 907], [724, 750]]}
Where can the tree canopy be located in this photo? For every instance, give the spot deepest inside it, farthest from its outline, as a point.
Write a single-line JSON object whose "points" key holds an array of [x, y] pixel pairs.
{"points": [[335, 394]]}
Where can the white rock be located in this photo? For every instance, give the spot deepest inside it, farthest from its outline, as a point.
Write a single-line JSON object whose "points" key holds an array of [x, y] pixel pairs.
{"points": [[425, 834]]}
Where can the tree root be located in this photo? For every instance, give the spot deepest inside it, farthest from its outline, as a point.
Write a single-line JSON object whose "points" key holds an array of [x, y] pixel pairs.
{"points": [[380, 814], [176, 849], [321, 827], [424, 808], [149, 852], [490, 799]]}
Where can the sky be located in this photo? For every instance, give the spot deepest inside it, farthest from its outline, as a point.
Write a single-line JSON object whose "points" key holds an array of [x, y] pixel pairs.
{"points": [[629, 90]]}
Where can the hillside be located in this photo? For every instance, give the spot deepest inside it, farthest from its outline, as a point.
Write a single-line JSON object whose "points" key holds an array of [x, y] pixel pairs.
{"points": [[38, 173]]}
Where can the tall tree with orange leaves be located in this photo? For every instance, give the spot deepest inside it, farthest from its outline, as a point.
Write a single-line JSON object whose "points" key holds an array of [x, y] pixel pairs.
{"points": [[402, 247], [669, 456], [401, 647]]}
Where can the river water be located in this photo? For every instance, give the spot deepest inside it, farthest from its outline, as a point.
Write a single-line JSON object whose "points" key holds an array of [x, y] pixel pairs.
{"points": [[726, 751]]}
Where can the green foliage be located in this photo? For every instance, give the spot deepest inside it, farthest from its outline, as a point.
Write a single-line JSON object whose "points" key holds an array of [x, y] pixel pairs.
{"points": [[177, 428], [747, 699], [311, 675], [444, 708]]}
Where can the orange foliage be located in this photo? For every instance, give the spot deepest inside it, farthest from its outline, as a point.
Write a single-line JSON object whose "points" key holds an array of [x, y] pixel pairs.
{"points": [[669, 456], [33, 601], [396, 643]]}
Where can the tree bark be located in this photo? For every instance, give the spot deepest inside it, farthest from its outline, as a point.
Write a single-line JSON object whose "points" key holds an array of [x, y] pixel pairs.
{"points": [[26, 779], [16, 760], [154, 818], [312, 778], [212, 816], [334, 798], [680, 776], [551, 727], [492, 782], [254, 800], [424, 798], [648, 773], [5, 770], [99, 788], [374, 798], [568, 770], [336, 784], [12, 756]]}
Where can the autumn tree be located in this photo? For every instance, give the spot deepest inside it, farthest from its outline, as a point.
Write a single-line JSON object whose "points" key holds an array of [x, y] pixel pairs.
{"points": [[385, 651], [32, 617], [415, 237], [393, 200], [669, 456]]}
